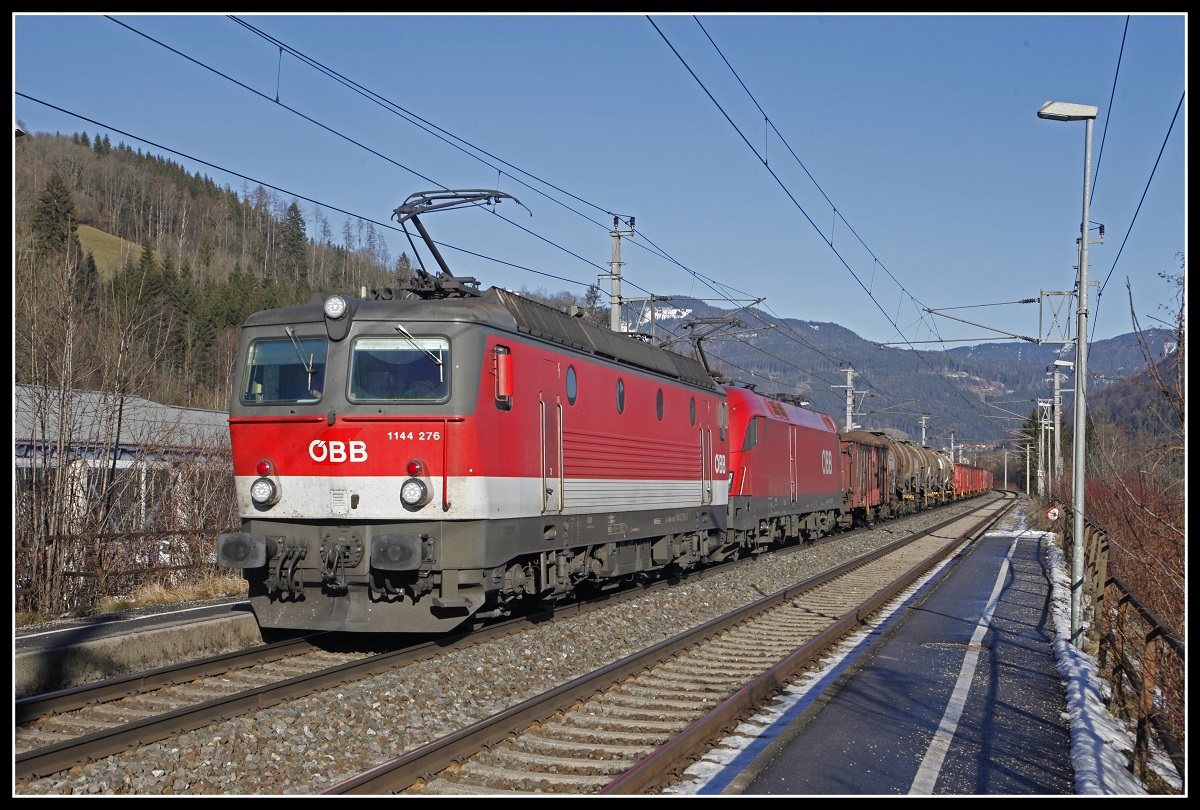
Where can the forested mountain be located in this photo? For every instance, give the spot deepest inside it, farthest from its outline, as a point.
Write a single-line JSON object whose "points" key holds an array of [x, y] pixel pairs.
{"points": [[1147, 404], [980, 394], [172, 264], [133, 275]]}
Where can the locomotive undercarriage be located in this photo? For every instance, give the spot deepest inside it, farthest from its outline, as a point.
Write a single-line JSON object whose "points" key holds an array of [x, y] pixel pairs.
{"points": [[776, 531], [427, 577], [553, 576], [760, 524]]}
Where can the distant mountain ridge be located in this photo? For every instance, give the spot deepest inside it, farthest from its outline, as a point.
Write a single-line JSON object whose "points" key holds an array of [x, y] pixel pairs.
{"points": [[218, 254], [977, 393]]}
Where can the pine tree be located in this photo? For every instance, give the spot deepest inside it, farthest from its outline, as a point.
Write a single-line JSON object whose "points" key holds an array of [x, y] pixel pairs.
{"points": [[87, 282], [147, 271], [55, 219], [403, 268], [292, 261]]}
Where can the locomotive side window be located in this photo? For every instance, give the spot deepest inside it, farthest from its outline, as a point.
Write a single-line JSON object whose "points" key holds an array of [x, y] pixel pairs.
{"points": [[751, 433], [692, 411], [572, 385], [284, 371], [620, 396], [400, 369], [658, 404]]}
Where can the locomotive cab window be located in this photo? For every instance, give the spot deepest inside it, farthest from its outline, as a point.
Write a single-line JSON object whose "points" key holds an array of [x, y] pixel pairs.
{"points": [[284, 370], [400, 369]]}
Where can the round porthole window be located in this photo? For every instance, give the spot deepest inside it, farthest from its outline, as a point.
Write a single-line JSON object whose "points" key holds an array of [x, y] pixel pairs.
{"points": [[572, 385]]}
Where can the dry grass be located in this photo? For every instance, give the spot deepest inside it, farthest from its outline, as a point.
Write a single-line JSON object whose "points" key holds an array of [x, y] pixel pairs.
{"points": [[156, 594], [217, 587]]}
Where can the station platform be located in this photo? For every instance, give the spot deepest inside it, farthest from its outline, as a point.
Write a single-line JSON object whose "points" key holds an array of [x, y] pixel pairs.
{"points": [[71, 652], [958, 695]]}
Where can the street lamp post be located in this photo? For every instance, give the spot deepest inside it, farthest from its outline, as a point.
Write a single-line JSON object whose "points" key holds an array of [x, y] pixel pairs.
{"points": [[1063, 111]]}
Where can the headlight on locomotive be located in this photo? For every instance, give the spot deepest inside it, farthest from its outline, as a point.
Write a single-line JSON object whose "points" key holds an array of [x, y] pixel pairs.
{"points": [[264, 492], [414, 493], [335, 307]]}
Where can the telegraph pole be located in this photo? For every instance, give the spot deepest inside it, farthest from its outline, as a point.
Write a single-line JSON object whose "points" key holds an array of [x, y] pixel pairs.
{"points": [[1058, 458], [1043, 449], [849, 386], [615, 272]]}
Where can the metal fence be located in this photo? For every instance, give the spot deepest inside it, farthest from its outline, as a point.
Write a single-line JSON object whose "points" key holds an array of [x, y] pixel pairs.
{"points": [[106, 565], [1142, 659]]}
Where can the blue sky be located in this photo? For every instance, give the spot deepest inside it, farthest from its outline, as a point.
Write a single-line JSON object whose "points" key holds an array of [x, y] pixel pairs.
{"points": [[851, 169]]}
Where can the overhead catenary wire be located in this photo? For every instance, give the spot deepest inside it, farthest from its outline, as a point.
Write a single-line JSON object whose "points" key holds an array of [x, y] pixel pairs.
{"points": [[508, 169], [356, 143], [450, 138], [954, 388]]}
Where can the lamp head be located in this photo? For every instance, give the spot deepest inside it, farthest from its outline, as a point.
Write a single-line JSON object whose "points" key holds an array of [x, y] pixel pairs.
{"points": [[1063, 111]]}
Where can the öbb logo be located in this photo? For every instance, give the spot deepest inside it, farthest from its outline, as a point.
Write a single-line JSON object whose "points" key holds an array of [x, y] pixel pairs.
{"points": [[336, 452]]}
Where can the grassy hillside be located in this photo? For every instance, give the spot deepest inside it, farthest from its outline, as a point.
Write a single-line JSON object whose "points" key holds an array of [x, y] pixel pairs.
{"points": [[110, 252]]}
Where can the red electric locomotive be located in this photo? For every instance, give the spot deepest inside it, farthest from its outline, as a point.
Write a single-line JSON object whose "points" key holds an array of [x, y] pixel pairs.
{"points": [[785, 471], [402, 465], [405, 465]]}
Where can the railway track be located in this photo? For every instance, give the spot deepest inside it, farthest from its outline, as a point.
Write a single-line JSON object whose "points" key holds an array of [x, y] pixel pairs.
{"points": [[68, 729], [61, 729], [641, 721]]}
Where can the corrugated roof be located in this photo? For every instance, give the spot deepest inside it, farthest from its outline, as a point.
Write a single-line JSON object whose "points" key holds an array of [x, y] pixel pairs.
{"points": [[90, 418]]}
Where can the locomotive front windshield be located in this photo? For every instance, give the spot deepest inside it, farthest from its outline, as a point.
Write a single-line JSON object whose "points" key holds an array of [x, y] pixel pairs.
{"points": [[400, 369], [284, 370]]}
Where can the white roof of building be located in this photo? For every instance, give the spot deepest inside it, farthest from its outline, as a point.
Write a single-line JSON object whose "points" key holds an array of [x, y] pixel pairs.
{"points": [[41, 415]]}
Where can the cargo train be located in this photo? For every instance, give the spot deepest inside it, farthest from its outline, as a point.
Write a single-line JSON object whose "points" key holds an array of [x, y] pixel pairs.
{"points": [[410, 461]]}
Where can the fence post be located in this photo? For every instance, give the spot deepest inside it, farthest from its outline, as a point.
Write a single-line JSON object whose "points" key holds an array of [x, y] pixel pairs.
{"points": [[1141, 748], [1116, 701], [1109, 597]]}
